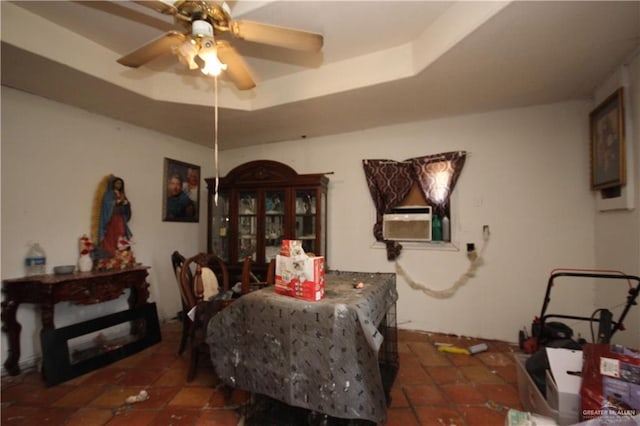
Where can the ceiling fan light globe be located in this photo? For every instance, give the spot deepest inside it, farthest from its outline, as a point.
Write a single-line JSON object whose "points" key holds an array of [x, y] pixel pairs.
{"points": [[186, 53], [212, 66], [209, 54]]}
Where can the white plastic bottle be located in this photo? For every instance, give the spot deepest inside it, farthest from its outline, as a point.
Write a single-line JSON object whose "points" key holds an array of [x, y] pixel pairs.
{"points": [[446, 229], [36, 260]]}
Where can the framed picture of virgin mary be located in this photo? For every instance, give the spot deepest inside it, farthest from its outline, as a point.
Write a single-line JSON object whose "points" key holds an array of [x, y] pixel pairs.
{"points": [[607, 143]]}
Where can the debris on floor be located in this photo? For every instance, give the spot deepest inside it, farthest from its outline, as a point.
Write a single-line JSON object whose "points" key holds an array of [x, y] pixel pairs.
{"points": [[471, 350], [142, 396], [523, 418]]}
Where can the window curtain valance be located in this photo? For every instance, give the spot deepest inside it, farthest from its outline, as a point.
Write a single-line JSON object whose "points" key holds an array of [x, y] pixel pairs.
{"points": [[389, 183]]}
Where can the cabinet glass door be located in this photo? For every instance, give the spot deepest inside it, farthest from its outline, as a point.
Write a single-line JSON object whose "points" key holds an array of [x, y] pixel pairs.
{"points": [[220, 227], [306, 220], [323, 225], [274, 208], [247, 225], [262, 203]]}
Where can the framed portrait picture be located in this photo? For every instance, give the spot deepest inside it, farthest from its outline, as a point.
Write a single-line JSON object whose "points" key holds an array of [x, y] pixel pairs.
{"points": [[181, 191], [607, 143]]}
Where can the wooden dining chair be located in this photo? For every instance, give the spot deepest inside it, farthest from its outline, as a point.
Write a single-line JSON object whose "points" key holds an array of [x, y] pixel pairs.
{"points": [[203, 276], [177, 261], [249, 280]]}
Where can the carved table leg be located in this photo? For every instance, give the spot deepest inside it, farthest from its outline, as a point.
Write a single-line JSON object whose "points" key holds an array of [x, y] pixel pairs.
{"points": [[138, 296], [12, 328], [47, 316]]}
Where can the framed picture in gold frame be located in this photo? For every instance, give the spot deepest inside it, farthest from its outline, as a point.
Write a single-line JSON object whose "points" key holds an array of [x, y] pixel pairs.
{"points": [[607, 143]]}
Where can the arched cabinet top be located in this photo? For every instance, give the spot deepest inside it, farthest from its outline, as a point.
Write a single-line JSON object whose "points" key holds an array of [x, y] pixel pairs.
{"points": [[269, 173]]}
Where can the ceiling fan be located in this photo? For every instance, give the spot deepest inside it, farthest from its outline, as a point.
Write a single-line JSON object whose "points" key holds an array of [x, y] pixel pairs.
{"points": [[197, 46]]}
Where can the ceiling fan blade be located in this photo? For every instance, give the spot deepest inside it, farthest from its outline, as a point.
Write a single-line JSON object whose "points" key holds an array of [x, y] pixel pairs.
{"points": [[237, 70], [153, 49], [162, 6], [276, 36]]}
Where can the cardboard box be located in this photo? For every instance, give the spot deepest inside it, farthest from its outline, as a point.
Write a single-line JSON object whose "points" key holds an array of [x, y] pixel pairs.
{"points": [[563, 383], [610, 382], [292, 248], [303, 279], [308, 290]]}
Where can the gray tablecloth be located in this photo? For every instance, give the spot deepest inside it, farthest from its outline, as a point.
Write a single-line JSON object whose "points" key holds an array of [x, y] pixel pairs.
{"points": [[322, 356]]}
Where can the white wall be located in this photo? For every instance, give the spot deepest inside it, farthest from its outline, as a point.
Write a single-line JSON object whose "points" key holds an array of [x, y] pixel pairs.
{"points": [[53, 157], [526, 175]]}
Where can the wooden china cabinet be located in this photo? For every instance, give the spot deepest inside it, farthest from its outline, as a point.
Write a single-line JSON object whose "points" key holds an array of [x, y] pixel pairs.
{"points": [[261, 203]]}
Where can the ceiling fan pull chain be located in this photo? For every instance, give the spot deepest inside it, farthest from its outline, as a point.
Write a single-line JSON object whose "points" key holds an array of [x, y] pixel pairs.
{"points": [[215, 142]]}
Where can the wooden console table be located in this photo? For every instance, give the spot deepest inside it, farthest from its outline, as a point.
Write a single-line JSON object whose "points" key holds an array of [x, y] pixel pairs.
{"points": [[82, 288]]}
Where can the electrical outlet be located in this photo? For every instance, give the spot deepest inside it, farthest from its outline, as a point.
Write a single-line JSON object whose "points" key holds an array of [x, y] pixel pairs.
{"points": [[485, 232]]}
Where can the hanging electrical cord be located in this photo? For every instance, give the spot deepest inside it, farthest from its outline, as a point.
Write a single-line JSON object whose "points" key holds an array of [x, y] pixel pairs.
{"points": [[215, 139], [475, 261]]}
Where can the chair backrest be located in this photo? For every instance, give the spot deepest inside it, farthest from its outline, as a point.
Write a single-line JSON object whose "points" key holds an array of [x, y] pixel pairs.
{"points": [[202, 277], [177, 261], [250, 281]]}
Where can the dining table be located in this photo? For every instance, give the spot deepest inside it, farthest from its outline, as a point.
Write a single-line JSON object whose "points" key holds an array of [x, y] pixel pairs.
{"points": [[325, 356]]}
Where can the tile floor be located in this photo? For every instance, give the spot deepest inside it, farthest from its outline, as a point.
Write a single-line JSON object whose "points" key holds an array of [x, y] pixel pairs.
{"points": [[431, 388]]}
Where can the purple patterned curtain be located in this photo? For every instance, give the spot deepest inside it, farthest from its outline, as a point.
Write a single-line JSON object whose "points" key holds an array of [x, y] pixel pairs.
{"points": [[437, 176], [390, 181]]}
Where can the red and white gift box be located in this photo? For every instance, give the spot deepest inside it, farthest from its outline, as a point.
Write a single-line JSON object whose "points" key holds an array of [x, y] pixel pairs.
{"points": [[301, 277], [292, 248]]}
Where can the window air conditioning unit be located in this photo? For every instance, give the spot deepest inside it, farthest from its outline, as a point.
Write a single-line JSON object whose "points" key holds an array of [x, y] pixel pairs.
{"points": [[411, 223]]}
